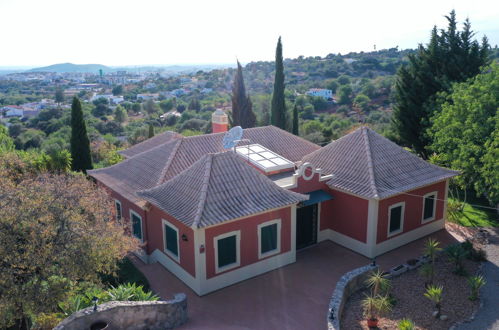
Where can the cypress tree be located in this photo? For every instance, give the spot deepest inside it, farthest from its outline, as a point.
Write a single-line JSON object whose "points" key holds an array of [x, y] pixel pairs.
{"points": [[295, 129], [242, 108], [278, 109], [151, 131], [450, 56], [80, 145]]}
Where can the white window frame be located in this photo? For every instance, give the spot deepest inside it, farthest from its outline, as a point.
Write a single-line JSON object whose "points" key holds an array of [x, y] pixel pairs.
{"points": [[402, 216], [423, 220], [236, 264], [121, 209], [168, 252], [132, 212], [277, 250]]}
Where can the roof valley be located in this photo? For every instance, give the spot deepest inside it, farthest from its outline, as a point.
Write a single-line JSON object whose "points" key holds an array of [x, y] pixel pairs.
{"points": [[204, 192]]}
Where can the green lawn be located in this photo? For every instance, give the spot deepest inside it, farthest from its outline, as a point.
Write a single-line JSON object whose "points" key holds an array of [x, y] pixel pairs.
{"points": [[469, 213]]}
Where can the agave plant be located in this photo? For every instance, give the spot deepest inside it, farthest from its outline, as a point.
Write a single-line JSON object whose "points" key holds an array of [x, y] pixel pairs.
{"points": [[72, 305], [378, 283], [434, 293], [475, 282], [406, 324]]}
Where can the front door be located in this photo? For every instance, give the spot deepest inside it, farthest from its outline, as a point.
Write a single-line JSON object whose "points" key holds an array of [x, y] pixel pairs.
{"points": [[306, 226]]}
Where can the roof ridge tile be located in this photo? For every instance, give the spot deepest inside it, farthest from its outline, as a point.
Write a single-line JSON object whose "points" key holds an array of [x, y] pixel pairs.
{"points": [[370, 164], [170, 160], [204, 192]]}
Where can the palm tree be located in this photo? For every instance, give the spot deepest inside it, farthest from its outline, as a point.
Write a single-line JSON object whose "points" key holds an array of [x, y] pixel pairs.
{"points": [[374, 307], [434, 293], [431, 249], [475, 282], [378, 283], [456, 254]]}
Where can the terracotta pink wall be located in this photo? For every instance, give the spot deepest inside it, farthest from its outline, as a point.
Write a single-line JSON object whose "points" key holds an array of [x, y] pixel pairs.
{"points": [[249, 237], [345, 214], [156, 239], [413, 209], [126, 206]]}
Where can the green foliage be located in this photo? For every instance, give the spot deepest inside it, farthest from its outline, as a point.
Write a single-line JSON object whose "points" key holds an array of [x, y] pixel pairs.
{"points": [[450, 56], [80, 144], [126, 273], [434, 293], [117, 90], [375, 306], [362, 101], [406, 324], [295, 126], [378, 282], [431, 249], [345, 94], [242, 107], [6, 143], [456, 254], [278, 108], [466, 133], [475, 283], [151, 131], [120, 114], [59, 96]]}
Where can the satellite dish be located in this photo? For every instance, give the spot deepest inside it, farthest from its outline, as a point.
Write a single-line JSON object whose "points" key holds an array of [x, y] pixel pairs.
{"points": [[232, 137]]}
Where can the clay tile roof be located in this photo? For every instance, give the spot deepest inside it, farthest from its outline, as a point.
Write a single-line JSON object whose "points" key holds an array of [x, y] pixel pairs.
{"points": [[137, 173], [217, 188], [149, 143], [165, 161], [369, 165]]}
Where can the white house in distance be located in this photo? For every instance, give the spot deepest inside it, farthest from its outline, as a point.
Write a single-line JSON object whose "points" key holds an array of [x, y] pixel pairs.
{"points": [[324, 93], [109, 97]]}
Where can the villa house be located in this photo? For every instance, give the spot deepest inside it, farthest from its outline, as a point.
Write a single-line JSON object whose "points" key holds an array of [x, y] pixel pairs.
{"points": [[214, 217]]}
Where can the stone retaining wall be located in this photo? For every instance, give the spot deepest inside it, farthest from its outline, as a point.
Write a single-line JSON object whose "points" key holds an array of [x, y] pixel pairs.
{"points": [[346, 286], [128, 315]]}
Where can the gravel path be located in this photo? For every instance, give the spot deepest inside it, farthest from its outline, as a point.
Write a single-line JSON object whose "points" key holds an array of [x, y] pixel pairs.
{"points": [[487, 317]]}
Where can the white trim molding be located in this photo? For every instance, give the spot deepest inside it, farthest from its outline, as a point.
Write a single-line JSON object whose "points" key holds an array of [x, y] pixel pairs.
{"points": [[277, 250], [132, 212], [409, 237], [402, 216], [165, 249], [236, 233], [434, 214]]}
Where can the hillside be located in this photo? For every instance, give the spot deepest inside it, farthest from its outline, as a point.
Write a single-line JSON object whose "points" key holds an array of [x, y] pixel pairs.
{"points": [[70, 67]]}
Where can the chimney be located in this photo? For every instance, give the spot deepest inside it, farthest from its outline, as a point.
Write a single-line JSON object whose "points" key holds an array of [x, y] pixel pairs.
{"points": [[219, 121]]}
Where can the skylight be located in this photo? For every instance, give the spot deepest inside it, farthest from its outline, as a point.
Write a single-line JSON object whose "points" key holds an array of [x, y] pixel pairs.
{"points": [[263, 158]]}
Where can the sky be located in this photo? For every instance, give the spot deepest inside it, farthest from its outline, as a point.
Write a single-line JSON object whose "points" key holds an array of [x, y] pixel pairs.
{"points": [[165, 32]]}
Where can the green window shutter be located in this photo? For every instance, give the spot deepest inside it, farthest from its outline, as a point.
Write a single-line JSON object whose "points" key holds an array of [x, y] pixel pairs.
{"points": [[429, 203], [171, 239], [227, 251], [268, 238], [136, 226], [118, 210], [395, 218]]}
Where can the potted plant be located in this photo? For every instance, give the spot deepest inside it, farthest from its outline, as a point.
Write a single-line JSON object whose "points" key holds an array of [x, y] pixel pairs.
{"points": [[475, 282], [374, 307], [434, 293]]}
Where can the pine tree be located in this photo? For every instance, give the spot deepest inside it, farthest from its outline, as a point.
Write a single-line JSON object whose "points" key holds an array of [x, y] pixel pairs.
{"points": [[242, 107], [295, 129], [450, 56], [80, 145], [151, 131], [278, 109]]}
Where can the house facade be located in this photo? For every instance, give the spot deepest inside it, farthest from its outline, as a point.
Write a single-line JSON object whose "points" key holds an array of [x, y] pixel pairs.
{"points": [[216, 217]]}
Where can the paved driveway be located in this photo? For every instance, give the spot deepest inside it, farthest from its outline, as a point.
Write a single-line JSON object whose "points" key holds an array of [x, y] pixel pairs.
{"points": [[292, 297]]}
